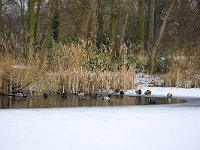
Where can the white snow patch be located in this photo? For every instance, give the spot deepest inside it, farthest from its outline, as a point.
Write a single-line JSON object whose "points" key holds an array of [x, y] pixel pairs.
{"points": [[163, 91]]}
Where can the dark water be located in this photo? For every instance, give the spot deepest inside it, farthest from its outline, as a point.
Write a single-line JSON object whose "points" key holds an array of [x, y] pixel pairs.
{"points": [[75, 101]]}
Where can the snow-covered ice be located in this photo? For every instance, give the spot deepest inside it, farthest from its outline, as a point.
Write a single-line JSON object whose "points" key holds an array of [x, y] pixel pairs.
{"points": [[104, 128]]}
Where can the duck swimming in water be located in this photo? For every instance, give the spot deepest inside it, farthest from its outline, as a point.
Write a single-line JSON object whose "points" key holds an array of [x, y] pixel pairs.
{"points": [[151, 102], [64, 95], [106, 98], [46, 95], [17, 96], [81, 94], [96, 97]]}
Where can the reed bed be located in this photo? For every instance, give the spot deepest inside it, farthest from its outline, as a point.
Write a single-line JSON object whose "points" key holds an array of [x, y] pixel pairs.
{"points": [[63, 68], [184, 70]]}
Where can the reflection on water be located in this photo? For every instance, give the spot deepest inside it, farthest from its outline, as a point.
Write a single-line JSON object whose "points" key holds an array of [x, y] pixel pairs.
{"points": [[74, 101]]}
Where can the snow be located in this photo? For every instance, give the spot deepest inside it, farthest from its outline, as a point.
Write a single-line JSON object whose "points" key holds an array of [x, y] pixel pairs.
{"points": [[158, 127], [117, 128], [163, 91]]}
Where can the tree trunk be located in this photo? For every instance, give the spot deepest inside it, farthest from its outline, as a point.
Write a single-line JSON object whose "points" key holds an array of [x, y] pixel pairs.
{"points": [[37, 14], [141, 25], [83, 21], [55, 20], [31, 20], [151, 25], [46, 25], [92, 25], [1, 18], [113, 29], [154, 50], [22, 11], [123, 32], [198, 20]]}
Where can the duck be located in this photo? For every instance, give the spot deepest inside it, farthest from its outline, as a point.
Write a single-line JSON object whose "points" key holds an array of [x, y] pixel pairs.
{"points": [[106, 98], [151, 102], [121, 93], [116, 90], [138, 92], [96, 97], [169, 95], [81, 94], [17, 94], [147, 92], [46, 95], [64, 95]]}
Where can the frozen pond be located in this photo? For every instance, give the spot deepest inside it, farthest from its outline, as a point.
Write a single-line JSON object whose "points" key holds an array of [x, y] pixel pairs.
{"points": [[140, 127]]}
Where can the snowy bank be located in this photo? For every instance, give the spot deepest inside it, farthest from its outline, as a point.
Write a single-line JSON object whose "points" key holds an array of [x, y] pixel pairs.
{"points": [[163, 91]]}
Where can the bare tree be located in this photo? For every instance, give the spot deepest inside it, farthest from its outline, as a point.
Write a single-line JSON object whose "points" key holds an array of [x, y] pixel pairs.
{"points": [[151, 25], [162, 28], [112, 33], [31, 20], [37, 15], [141, 24], [1, 18]]}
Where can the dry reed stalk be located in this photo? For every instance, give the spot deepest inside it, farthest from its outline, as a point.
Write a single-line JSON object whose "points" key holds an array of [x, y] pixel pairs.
{"points": [[184, 70], [68, 69]]}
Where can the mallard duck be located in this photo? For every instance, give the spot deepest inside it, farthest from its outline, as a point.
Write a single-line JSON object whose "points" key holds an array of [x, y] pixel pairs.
{"points": [[117, 90], [81, 94], [17, 94], [169, 95], [147, 92], [64, 95], [107, 98], [46, 95], [121, 92], [151, 102], [138, 92], [96, 97]]}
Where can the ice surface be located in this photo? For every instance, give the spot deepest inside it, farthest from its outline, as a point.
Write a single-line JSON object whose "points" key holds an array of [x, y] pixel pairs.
{"points": [[103, 128]]}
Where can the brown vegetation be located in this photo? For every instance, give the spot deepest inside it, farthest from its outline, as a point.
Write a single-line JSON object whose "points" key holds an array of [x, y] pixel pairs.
{"points": [[67, 66]]}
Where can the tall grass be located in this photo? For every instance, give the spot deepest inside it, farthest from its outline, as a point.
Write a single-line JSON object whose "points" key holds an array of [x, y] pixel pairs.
{"points": [[184, 70], [73, 68]]}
